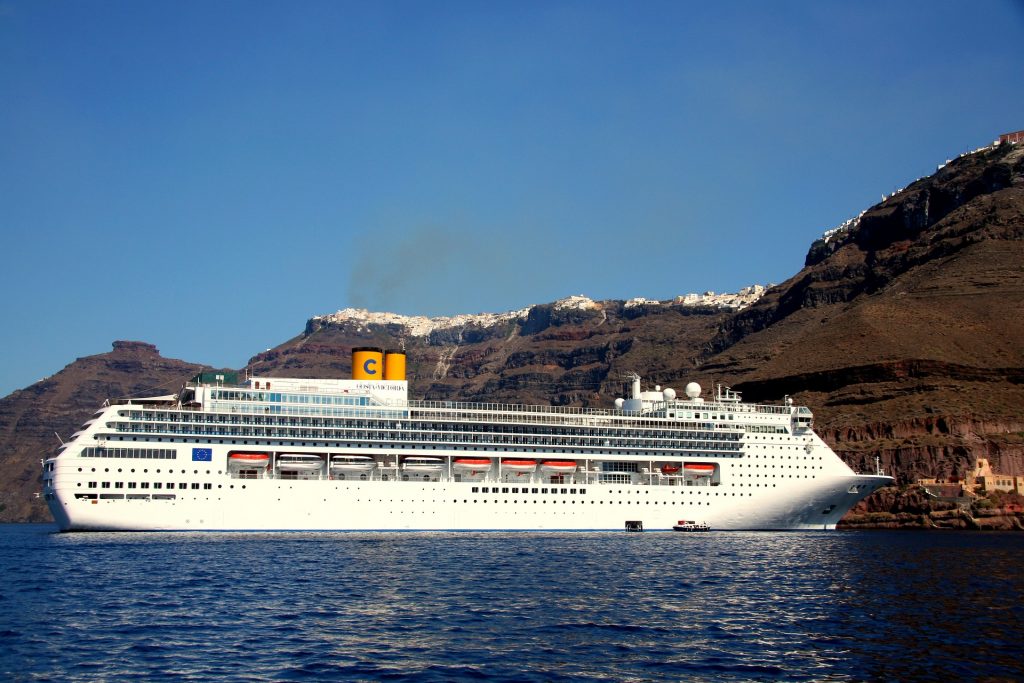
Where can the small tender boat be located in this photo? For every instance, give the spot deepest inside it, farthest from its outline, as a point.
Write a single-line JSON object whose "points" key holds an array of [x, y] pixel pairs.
{"points": [[684, 525], [422, 464], [670, 469], [472, 464], [559, 466], [514, 465], [352, 463], [299, 462]]}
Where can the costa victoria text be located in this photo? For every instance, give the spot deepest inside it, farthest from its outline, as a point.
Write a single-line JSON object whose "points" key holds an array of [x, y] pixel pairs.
{"points": [[291, 454]]}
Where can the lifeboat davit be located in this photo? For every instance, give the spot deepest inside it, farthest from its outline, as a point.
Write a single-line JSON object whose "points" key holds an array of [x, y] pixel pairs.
{"points": [[248, 460], [514, 465], [559, 466], [699, 469], [299, 462], [352, 463], [670, 469], [472, 464], [422, 464]]}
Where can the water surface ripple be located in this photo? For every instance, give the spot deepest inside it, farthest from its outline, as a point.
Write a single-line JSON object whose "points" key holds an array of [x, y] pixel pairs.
{"points": [[510, 607]]}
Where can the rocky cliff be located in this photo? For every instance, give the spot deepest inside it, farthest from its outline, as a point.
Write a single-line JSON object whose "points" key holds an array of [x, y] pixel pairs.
{"points": [[572, 352], [911, 507], [32, 420], [904, 329]]}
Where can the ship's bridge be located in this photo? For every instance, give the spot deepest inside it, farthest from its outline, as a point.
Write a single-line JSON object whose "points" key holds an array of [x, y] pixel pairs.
{"points": [[803, 419], [290, 395]]}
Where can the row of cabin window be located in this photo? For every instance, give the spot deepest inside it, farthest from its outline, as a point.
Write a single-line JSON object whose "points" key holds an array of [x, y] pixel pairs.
{"points": [[275, 397], [131, 453], [516, 489], [121, 496], [146, 485]]}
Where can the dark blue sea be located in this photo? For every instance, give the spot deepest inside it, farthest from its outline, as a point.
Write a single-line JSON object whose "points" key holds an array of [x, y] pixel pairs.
{"points": [[832, 606]]}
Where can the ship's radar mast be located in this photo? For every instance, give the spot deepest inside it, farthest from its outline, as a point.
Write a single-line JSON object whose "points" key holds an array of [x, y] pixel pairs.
{"points": [[724, 394], [634, 403], [634, 385]]}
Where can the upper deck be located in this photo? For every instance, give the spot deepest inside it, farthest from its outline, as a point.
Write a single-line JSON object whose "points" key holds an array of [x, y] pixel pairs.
{"points": [[388, 400]]}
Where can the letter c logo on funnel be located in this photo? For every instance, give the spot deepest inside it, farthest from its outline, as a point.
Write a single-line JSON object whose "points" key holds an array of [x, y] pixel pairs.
{"points": [[367, 364]]}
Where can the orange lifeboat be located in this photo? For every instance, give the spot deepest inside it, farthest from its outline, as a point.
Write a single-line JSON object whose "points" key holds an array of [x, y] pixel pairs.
{"points": [[670, 469], [472, 464], [559, 466], [249, 459], [514, 465], [700, 469]]}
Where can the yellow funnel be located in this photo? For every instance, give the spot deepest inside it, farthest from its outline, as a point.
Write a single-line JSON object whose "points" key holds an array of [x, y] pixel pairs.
{"points": [[394, 365], [367, 363]]}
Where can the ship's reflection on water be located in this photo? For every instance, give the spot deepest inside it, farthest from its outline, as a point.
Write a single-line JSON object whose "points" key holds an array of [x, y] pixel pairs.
{"points": [[520, 606]]}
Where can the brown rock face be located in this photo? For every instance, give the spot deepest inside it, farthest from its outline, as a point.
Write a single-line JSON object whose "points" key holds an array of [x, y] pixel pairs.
{"points": [[565, 357], [904, 334], [911, 507], [31, 418]]}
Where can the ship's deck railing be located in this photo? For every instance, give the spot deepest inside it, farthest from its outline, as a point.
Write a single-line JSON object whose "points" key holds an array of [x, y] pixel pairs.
{"points": [[659, 410], [514, 408]]}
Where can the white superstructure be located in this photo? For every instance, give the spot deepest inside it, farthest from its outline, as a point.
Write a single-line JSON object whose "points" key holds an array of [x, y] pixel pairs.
{"points": [[301, 454]]}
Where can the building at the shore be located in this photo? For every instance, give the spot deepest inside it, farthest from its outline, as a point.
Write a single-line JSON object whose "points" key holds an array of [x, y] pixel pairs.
{"points": [[983, 479], [979, 481]]}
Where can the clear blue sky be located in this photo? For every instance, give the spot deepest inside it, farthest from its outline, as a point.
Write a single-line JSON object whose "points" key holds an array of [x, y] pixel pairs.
{"points": [[206, 176]]}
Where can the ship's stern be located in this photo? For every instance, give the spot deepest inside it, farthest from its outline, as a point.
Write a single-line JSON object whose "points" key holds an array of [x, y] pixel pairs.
{"points": [[54, 497]]}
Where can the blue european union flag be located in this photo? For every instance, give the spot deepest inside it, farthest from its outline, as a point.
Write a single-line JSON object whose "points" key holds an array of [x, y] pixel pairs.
{"points": [[202, 454]]}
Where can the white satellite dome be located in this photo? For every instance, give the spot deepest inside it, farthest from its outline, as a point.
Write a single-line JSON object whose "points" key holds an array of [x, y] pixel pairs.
{"points": [[670, 394], [619, 402], [693, 390]]}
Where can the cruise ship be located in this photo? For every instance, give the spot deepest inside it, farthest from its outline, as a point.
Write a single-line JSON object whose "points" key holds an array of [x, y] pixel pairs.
{"points": [[275, 453]]}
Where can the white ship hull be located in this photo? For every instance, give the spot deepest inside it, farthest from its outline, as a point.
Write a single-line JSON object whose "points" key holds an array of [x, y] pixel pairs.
{"points": [[283, 505], [726, 465]]}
